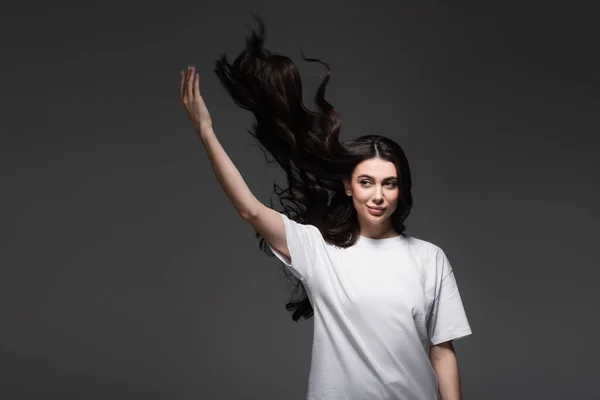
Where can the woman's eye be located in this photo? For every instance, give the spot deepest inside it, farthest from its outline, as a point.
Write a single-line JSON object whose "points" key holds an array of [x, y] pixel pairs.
{"points": [[364, 182], [391, 184]]}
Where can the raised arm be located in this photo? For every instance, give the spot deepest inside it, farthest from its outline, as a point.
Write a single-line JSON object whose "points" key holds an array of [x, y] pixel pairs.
{"points": [[265, 220]]}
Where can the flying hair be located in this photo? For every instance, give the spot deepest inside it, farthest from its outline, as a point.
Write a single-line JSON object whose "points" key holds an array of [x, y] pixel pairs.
{"points": [[305, 144]]}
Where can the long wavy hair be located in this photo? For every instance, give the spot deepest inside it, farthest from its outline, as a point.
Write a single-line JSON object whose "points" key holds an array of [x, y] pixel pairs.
{"points": [[305, 143]]}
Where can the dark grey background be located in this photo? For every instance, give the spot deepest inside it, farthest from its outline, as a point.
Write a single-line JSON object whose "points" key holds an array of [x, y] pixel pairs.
{"points": [[126, 273]]}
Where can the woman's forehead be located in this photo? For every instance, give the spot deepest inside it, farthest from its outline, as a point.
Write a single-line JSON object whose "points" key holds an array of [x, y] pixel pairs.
{"points": [[376, 168]]}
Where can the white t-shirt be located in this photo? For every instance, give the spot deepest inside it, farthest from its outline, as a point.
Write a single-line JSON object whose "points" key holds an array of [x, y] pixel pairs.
{"points": [[378, 306]]}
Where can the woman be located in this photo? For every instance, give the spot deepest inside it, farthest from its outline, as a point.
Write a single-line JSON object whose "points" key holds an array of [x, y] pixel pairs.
{"points": [[386, 305]]}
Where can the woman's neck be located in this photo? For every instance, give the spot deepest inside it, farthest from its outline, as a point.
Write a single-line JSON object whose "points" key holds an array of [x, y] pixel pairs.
{"points": [[383, 231]]}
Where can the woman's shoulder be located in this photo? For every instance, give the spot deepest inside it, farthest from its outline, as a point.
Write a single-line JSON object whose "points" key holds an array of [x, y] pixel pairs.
{"points": [[430, 257], [423, 248]]}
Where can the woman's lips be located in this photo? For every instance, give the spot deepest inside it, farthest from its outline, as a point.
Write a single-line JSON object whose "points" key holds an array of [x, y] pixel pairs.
{"points": [[375, 211]]}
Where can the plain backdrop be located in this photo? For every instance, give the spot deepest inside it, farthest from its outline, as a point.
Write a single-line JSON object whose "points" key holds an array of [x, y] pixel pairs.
{"points": [[125, 272]]}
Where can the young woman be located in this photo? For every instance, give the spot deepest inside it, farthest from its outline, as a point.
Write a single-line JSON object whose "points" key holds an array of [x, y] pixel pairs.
{"points": [[386, 305]]}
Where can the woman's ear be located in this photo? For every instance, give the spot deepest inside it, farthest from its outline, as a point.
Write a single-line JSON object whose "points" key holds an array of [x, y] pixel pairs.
{"points": [[347, 187]]}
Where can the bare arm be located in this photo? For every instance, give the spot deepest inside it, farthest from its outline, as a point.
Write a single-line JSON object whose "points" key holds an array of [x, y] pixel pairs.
{"points": [[228, 176], [265, 220], [445, 364]]}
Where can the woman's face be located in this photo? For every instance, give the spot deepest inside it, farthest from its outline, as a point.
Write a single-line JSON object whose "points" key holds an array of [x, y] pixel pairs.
{"points": [[374, 190]]}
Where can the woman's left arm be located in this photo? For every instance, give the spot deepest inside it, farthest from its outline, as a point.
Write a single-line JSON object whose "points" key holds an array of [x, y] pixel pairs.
{"points": [[445, 364]]}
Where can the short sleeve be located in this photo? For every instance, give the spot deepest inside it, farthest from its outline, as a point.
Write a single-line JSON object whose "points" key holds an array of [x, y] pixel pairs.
{"points": [[447, 319], [303, 242]]}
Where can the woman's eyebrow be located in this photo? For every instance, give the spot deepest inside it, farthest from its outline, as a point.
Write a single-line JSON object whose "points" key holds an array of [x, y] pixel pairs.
{"points": [[370, 177]]}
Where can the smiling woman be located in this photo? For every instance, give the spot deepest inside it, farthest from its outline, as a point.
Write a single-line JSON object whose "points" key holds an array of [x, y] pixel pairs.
{"points": [[374, 191], [384, 302]]}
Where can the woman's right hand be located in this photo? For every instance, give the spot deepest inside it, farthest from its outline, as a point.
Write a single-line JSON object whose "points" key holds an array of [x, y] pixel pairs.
{"points": [[192, 102]]}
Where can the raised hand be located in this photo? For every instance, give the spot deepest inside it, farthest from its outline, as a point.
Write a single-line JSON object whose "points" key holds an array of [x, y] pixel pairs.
{"points": [[192, 102]]}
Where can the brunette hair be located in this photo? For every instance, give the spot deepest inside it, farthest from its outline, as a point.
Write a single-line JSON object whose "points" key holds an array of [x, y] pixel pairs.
{"points": [[305, 143]]}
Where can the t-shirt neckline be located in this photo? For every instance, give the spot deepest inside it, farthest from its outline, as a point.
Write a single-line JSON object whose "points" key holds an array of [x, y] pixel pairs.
{"points": [[394, 240]]}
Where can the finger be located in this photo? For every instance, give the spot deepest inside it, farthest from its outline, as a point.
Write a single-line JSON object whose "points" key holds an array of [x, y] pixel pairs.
{"points": [[185, 80], [197, 85], [190, 82], [181, 82]]}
